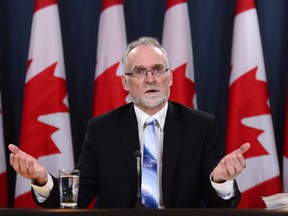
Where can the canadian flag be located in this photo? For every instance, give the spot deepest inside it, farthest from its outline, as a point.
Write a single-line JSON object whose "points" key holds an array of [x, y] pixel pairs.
{"points": [[108, 90], [249, 116], [3, 168], [285, 159], [46, 130], [178, 43]]}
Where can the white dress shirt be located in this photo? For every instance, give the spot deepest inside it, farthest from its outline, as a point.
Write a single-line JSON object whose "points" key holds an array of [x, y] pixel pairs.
{"points": [[224, 190]]}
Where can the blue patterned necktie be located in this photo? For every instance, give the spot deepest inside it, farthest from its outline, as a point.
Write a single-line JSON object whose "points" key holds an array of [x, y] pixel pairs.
{"points": [[149, 187]]}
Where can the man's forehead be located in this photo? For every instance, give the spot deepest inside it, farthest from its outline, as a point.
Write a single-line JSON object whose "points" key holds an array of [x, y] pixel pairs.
{"points": [[153, 65], [145, 48], [145, 56]]}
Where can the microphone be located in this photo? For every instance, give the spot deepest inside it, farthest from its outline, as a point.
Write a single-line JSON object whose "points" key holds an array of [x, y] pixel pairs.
{"points": [[137, 155]]}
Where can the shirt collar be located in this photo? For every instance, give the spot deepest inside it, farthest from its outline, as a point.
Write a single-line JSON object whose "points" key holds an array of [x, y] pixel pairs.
{"points": [[160, 116]]}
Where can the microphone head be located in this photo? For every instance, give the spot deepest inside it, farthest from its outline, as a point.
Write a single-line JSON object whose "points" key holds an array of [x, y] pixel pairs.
{"points": [[137, 154]]}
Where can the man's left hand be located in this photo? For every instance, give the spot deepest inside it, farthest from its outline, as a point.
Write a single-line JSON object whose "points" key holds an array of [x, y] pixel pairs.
{"points": [[231, 165]]}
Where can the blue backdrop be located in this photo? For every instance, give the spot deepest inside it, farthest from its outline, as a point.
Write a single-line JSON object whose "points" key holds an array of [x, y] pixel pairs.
{"points": [[211, 26]]}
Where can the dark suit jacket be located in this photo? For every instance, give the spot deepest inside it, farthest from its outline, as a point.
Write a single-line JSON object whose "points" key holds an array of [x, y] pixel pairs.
{"points": [[191, 150]]}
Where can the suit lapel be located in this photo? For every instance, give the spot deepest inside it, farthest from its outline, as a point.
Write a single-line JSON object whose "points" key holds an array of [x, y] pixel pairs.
{"points": [[130, 142], [173, 131]]}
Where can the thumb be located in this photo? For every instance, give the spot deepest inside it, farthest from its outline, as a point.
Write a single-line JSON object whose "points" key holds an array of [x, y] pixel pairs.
{"points": [[244, 148], [14, 149]]}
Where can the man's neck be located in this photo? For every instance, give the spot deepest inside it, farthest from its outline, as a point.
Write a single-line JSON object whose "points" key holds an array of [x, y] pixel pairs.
{"points": [[151, 110]]}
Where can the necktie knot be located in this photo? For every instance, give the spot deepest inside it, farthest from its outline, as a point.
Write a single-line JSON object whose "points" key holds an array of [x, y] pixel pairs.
{"points": [[151, 121]]}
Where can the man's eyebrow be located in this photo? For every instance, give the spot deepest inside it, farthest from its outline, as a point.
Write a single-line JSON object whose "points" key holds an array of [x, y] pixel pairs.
{"points": [[158, 65], [153, 66], [139, 67]]}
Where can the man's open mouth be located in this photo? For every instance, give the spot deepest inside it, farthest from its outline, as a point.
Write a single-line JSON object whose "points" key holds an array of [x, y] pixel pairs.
{"points": [[151, 91]]}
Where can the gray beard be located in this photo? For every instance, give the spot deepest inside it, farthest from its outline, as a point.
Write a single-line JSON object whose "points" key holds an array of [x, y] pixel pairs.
{"points": [[151, 101]]}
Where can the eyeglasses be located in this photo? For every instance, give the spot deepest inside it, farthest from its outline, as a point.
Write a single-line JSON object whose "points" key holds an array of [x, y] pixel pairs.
{"points": [[140, 73]]}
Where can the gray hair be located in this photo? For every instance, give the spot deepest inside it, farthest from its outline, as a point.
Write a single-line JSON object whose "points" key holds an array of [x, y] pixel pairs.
{"points": [[143, 41]]}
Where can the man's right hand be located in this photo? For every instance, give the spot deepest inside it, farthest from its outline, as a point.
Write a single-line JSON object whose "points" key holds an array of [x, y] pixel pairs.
{"points": [[27, 166]]}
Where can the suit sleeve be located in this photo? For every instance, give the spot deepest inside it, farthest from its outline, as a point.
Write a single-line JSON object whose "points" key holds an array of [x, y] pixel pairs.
{"points": [[214, 151], [87, 164], [53, 201]]}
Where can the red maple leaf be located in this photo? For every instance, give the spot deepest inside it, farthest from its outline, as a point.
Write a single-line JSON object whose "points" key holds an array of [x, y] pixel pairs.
{"points": [[248, 97], [183, 89], [44, 94], [108, 91]]}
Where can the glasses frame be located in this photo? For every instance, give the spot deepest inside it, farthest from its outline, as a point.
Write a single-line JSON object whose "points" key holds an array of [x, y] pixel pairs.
{"points": [[164, 70]]}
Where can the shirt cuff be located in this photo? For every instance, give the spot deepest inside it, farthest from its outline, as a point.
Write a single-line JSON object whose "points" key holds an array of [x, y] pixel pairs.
{"points": [[225, 190], [44, 190]]}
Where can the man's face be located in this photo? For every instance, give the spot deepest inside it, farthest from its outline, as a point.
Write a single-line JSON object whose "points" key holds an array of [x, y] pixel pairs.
{"points": [[151, 92]]}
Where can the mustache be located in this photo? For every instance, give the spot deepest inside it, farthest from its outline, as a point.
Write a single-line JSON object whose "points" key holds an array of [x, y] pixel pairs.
{"points": [[151, 87]]}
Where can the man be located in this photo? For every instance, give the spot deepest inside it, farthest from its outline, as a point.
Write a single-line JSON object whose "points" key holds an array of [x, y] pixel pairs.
{"points": [[190, 171]]}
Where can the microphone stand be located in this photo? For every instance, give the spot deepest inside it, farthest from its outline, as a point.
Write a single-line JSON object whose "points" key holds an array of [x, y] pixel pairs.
{"points": [[137, 155]]}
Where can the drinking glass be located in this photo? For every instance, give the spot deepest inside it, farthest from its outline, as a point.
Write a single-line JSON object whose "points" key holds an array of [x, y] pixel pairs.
{"points": [[68, 186]]}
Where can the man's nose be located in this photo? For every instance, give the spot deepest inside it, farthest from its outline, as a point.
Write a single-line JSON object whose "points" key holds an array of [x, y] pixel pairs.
{"points": [[150, 77]]}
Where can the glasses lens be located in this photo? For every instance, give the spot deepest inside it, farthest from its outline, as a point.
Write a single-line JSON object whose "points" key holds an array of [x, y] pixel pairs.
{"points": [[138, 73], [158, 71]]}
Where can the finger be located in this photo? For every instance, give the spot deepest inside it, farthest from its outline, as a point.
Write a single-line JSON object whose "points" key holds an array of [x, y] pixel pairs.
{"points": [[11, 159], [244, 148], [242, 161], [235, 165], [14, 161], [15, 150], [23, 165], [224, 170], [238, 164], [230, 168], [30, 168]]}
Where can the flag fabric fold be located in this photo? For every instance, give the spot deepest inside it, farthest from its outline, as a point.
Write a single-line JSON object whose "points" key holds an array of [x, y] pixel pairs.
{"points": [[108, 90], [178, 43], [45, 129], [3, 167], [249, 114]]}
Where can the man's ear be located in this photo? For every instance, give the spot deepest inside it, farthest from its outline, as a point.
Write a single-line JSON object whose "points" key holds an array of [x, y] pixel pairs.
{"points": [[171, 78], [124, 82]]}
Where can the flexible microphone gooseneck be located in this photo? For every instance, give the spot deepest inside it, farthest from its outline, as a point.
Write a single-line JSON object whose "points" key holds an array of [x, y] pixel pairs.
{"points": [[137, 155]]}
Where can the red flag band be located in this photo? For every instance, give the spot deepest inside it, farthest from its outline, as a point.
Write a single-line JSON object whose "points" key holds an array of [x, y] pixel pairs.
{"points": [[111, 45], [249, 115], [178, 43], [45, 131]]}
